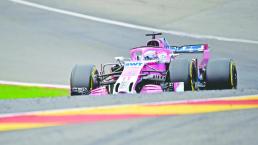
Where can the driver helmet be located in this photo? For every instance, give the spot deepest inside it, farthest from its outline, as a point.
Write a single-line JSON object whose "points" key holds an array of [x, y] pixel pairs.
{"points": [[150, 55]]}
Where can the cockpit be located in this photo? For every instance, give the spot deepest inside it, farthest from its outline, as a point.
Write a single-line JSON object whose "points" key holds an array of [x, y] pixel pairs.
{"points": [[150, 54], [156, 49], [153, 43]]}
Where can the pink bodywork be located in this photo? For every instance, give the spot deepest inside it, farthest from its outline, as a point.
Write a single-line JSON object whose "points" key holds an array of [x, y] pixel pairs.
{"points": [[137, 56], [99, 91], [151, 89], [160, 52], [206, 57]]}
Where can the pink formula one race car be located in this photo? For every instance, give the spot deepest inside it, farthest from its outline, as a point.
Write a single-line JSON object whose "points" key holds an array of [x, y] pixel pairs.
{"points": [[155, 68]]}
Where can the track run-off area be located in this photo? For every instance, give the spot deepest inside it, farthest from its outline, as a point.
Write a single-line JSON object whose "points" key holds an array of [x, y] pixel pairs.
{"points": [[87, 115]]}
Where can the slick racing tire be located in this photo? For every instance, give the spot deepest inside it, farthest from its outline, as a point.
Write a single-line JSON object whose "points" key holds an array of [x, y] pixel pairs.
{"points": [[183, 70], [221, 74], [83, 79]]}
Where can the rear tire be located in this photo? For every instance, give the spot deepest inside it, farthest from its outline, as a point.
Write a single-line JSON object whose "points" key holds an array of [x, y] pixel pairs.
{"points": [[221, 74], [83, 79], [183, 70]]}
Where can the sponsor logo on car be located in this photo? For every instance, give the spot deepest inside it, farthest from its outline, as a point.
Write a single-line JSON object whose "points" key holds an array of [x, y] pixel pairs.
{"points": [[133, 64]]}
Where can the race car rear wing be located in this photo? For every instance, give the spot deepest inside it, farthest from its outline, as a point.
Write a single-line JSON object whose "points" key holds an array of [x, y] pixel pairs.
{"points": [[197, 48]]}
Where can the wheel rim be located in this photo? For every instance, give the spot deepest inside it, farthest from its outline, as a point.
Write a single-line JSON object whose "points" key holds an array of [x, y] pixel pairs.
{"points": [[192, 81], [92, 83], [233, 75]]}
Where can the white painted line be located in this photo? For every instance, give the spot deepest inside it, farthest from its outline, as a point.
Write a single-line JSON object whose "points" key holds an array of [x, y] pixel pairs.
{"points": [[122, 105], [34, 84], [133, 26]]}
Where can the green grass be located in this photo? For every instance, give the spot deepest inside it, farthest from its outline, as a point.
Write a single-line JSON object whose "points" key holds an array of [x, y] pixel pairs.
{"points": [[17, 92]]}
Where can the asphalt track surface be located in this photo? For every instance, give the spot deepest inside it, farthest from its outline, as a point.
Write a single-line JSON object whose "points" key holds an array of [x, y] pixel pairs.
{"points": [[41, 46]]}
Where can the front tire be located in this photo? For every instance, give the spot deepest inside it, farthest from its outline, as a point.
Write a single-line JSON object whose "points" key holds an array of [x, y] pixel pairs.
{"points": [[183, 70], [83, 79]]}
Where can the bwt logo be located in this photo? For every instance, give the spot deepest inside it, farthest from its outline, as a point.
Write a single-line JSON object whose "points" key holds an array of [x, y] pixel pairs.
{"points": [[133, 64]]}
